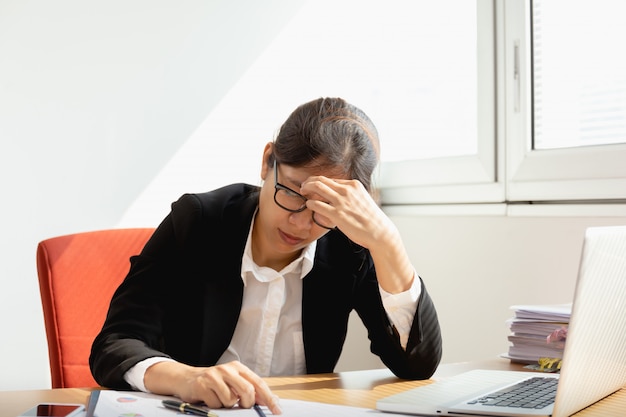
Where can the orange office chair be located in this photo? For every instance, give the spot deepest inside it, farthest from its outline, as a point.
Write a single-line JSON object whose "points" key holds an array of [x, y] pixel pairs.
{"points": [[78, 274]]}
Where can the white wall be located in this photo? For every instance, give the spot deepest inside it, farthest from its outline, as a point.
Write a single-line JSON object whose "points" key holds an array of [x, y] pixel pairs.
{"points": [[110, 110], [476, 267], [95, 97]]}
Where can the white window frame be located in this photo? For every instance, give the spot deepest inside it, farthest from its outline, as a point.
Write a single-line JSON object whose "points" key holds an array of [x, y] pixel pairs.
{"points": [[572, 174], [461, 178], [505, 168]]}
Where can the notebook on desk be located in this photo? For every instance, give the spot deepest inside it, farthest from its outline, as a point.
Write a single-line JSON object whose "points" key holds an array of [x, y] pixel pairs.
{"points": [[594, 360]]}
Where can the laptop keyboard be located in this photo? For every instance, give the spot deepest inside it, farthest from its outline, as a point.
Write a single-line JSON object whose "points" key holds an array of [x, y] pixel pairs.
{"points": [[536, 392]]}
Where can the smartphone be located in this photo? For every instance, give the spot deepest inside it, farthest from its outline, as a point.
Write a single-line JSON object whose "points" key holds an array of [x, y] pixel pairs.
{"points": [[54, 410]]}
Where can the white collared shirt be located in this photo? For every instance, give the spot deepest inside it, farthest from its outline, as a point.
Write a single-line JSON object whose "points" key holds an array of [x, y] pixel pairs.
{"points": [[268, 336]]}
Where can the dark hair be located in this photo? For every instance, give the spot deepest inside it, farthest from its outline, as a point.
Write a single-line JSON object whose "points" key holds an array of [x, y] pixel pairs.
{"points": [[329, 132]]}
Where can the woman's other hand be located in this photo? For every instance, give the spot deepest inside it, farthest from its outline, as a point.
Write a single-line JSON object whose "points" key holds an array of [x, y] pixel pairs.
{"points": [[219, 386]]}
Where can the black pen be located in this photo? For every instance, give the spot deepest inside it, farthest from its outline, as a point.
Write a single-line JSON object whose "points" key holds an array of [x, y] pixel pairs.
{"points": [[258, 410], [188, 408]]}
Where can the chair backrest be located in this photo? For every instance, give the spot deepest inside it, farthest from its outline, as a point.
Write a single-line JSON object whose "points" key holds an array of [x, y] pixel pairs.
{"points": [[78, 274]]}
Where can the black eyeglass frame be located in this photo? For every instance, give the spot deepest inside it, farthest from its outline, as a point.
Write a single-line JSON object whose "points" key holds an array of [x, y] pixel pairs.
{"points": [[278, 186]]}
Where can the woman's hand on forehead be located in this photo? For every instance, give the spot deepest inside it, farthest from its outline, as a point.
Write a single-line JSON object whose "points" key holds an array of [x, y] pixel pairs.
{"points": [[348, 205], [321, 188]]}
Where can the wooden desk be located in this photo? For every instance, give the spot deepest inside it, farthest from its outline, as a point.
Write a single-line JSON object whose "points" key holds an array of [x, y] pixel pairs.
{"points": [[356, 388]]}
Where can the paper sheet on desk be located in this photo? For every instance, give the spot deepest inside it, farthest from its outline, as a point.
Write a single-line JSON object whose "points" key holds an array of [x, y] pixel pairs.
{"points": [[297, 408], [139, 404]]}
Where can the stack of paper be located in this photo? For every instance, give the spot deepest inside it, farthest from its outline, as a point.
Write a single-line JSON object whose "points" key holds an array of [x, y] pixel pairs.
{"points": [[538, 331]]}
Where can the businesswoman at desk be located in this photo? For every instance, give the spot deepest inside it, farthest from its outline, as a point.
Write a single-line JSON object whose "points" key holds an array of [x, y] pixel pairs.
{"points": [[246, 281]]}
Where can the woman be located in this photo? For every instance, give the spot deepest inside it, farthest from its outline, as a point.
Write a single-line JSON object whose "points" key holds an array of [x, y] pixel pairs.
{"points": [[244, 281]]}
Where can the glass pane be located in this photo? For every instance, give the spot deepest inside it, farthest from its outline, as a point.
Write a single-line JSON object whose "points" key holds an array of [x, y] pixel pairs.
{"points": [[579, 73], [410, 65], [424, 85]]}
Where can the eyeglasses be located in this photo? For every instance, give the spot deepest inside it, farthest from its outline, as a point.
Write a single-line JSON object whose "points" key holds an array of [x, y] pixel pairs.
{"points": [[294, 202]]}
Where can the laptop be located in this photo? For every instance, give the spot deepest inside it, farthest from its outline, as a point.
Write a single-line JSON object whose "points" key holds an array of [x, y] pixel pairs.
{"points": [[594, 359]]}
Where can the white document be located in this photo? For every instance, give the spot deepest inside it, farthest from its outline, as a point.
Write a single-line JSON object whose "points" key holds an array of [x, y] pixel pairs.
{"points": [[135, 404]]}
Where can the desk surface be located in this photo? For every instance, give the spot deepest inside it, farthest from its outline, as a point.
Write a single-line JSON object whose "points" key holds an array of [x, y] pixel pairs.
{"points": [[356, 388]]}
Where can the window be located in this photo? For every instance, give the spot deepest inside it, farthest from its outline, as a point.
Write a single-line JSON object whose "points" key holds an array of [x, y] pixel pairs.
{"points": [[473, 100], [466, 113], [579, 73], [568, 95], [559, 119]]}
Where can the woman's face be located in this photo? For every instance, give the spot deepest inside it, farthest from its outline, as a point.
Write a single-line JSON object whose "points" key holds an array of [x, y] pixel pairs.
{"points": [[281, 234]]}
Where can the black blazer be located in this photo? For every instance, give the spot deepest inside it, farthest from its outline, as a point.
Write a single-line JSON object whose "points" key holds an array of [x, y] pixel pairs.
{"points": [[183, 293]]}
